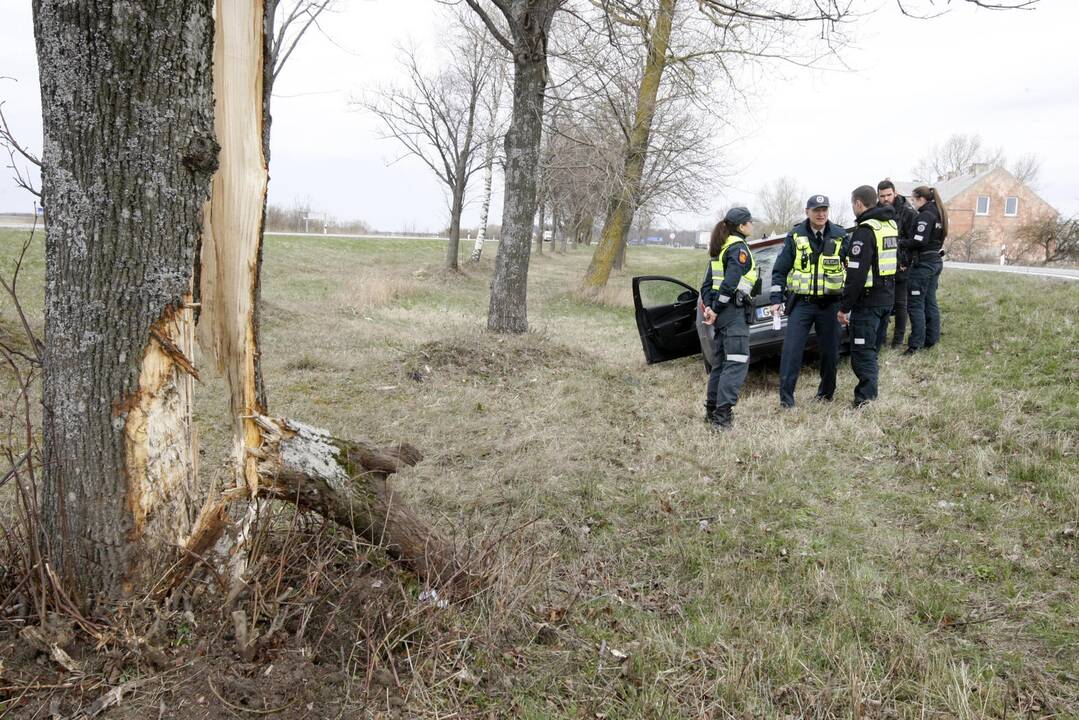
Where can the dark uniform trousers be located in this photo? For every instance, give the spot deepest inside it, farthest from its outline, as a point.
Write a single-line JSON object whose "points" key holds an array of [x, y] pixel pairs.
{"points": [[808, 313], [732, 356], [922, 300], [864, 325], [899, 310]]}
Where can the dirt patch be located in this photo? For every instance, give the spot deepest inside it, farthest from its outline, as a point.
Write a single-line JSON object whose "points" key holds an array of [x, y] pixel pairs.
{"points": [[487, 356]]}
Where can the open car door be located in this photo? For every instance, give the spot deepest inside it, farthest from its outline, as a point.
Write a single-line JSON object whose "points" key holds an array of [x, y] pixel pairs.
{"points": [[666, 311]]}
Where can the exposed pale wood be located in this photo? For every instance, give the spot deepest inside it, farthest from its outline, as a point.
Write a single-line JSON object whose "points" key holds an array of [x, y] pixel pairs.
{"points": [[346, 481], [233, 232]]}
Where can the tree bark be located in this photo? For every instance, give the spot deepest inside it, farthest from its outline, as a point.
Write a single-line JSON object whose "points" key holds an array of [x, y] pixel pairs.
{"points": [[542, 220], [508, 310], [129, 150], [453, 243], [622, 205], [488, 168]]}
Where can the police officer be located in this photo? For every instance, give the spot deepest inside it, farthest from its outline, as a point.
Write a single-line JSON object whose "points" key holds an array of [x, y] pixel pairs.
{"points": [[810, 269], [926, 246], [869, 288], [905, 219], [729, 284]]}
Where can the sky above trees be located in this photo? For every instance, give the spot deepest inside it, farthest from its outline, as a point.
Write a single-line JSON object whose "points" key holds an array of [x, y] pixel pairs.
{"points": [[1011, 77]]}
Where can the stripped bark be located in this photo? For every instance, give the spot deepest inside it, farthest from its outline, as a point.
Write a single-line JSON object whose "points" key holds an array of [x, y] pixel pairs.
{"points": [[232, 233], [346, 481]]}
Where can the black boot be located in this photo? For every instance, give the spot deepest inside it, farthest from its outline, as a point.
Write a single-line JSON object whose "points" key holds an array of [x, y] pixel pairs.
{"points": [[723, 418], [708, 412]]}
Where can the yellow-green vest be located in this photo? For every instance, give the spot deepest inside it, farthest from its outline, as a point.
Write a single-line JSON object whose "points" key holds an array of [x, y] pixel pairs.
{"points": [[747, 281], [887, 240], [825, 277]]}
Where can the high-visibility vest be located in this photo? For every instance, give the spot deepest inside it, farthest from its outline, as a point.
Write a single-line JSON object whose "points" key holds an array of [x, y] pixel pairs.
{"points": [[825, 277], [887, 240], [748, 279]]}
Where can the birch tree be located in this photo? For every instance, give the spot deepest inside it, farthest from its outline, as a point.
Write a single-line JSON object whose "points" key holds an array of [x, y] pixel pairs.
{"points": [[494, 106]]}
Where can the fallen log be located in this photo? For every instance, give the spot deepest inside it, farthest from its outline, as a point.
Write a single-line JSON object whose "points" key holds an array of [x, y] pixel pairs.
{"points": [[344, 481], [347, 481]]}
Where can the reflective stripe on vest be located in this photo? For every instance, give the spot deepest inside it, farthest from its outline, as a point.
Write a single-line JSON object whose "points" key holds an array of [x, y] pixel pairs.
{"points": [[887, 241], [748, 279], [825, 277]]}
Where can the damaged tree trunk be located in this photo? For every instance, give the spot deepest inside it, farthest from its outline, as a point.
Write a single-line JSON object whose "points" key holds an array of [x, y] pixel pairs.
{"points": [[129, 150], [131, 144]]}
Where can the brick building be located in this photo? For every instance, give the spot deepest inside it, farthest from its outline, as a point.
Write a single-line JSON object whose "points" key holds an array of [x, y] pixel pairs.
{"points": [[986, 206]]}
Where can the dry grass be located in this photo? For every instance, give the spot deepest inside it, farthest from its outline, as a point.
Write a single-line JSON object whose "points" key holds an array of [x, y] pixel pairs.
{"points": [[913, 560]]}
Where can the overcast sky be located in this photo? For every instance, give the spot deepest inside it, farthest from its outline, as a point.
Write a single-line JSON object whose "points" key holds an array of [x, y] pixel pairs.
{"points": [[1012, 77]]}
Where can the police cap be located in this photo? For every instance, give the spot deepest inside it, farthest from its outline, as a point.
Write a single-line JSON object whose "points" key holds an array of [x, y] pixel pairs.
{"points": [[738, 215], [817, 201]]}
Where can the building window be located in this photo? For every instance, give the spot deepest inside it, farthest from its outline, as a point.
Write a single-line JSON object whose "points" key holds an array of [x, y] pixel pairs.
{"points": [[1011, 206], [983, 205]]}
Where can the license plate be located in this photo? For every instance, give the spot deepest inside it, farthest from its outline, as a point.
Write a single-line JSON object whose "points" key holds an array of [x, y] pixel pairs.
{"points": [[764, 312]]}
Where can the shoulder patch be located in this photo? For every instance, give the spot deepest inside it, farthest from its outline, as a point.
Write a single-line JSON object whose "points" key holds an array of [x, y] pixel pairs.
{"points": [[921, 226], [856, 249], [743, 257]]}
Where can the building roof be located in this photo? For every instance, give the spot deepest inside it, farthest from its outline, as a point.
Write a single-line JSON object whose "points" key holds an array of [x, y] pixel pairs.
{"points": [[949, 188]]}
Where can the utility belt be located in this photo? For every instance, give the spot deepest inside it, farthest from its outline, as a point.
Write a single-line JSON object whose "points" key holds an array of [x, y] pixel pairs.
{"points": [[818, 300], [924, 256]]}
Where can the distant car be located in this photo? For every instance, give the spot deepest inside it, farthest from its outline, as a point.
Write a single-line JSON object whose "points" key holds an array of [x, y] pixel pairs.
{"points": [[670, 315]]}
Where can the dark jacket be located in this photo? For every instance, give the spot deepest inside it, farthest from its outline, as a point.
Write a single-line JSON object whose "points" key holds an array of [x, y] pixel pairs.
{"points": [[928, 235], [862, 260], [905, 217], [785, 260], [735, 264]]}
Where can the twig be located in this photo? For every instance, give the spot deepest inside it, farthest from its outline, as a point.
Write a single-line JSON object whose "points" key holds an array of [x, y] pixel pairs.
{"points": [[241, 708]]}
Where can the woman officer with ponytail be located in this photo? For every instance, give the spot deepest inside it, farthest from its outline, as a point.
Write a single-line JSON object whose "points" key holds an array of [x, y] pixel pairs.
{"points": [[930, 231], [729, 283]]}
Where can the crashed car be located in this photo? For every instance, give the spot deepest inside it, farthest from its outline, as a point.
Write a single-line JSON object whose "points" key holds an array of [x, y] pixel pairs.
{"points": [[670, 317]]}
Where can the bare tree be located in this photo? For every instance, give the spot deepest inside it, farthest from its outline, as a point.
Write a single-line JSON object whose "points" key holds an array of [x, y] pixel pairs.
{"points": [[961, 152], [782, 204], [438, 117], [1027, 169], [522, 28], [20, 158], [956, 156], [1054, 239], [969, 243], [656, 30]]}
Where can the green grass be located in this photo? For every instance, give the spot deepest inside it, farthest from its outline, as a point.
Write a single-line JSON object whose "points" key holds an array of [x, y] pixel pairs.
{"points": [[905, 561]]}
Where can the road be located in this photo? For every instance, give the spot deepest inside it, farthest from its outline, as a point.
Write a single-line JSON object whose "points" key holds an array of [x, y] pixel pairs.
{"points": [[1056, 273]]}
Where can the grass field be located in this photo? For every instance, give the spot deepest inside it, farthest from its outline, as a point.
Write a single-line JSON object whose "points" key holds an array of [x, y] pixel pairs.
{"points": [[917, 559]]}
